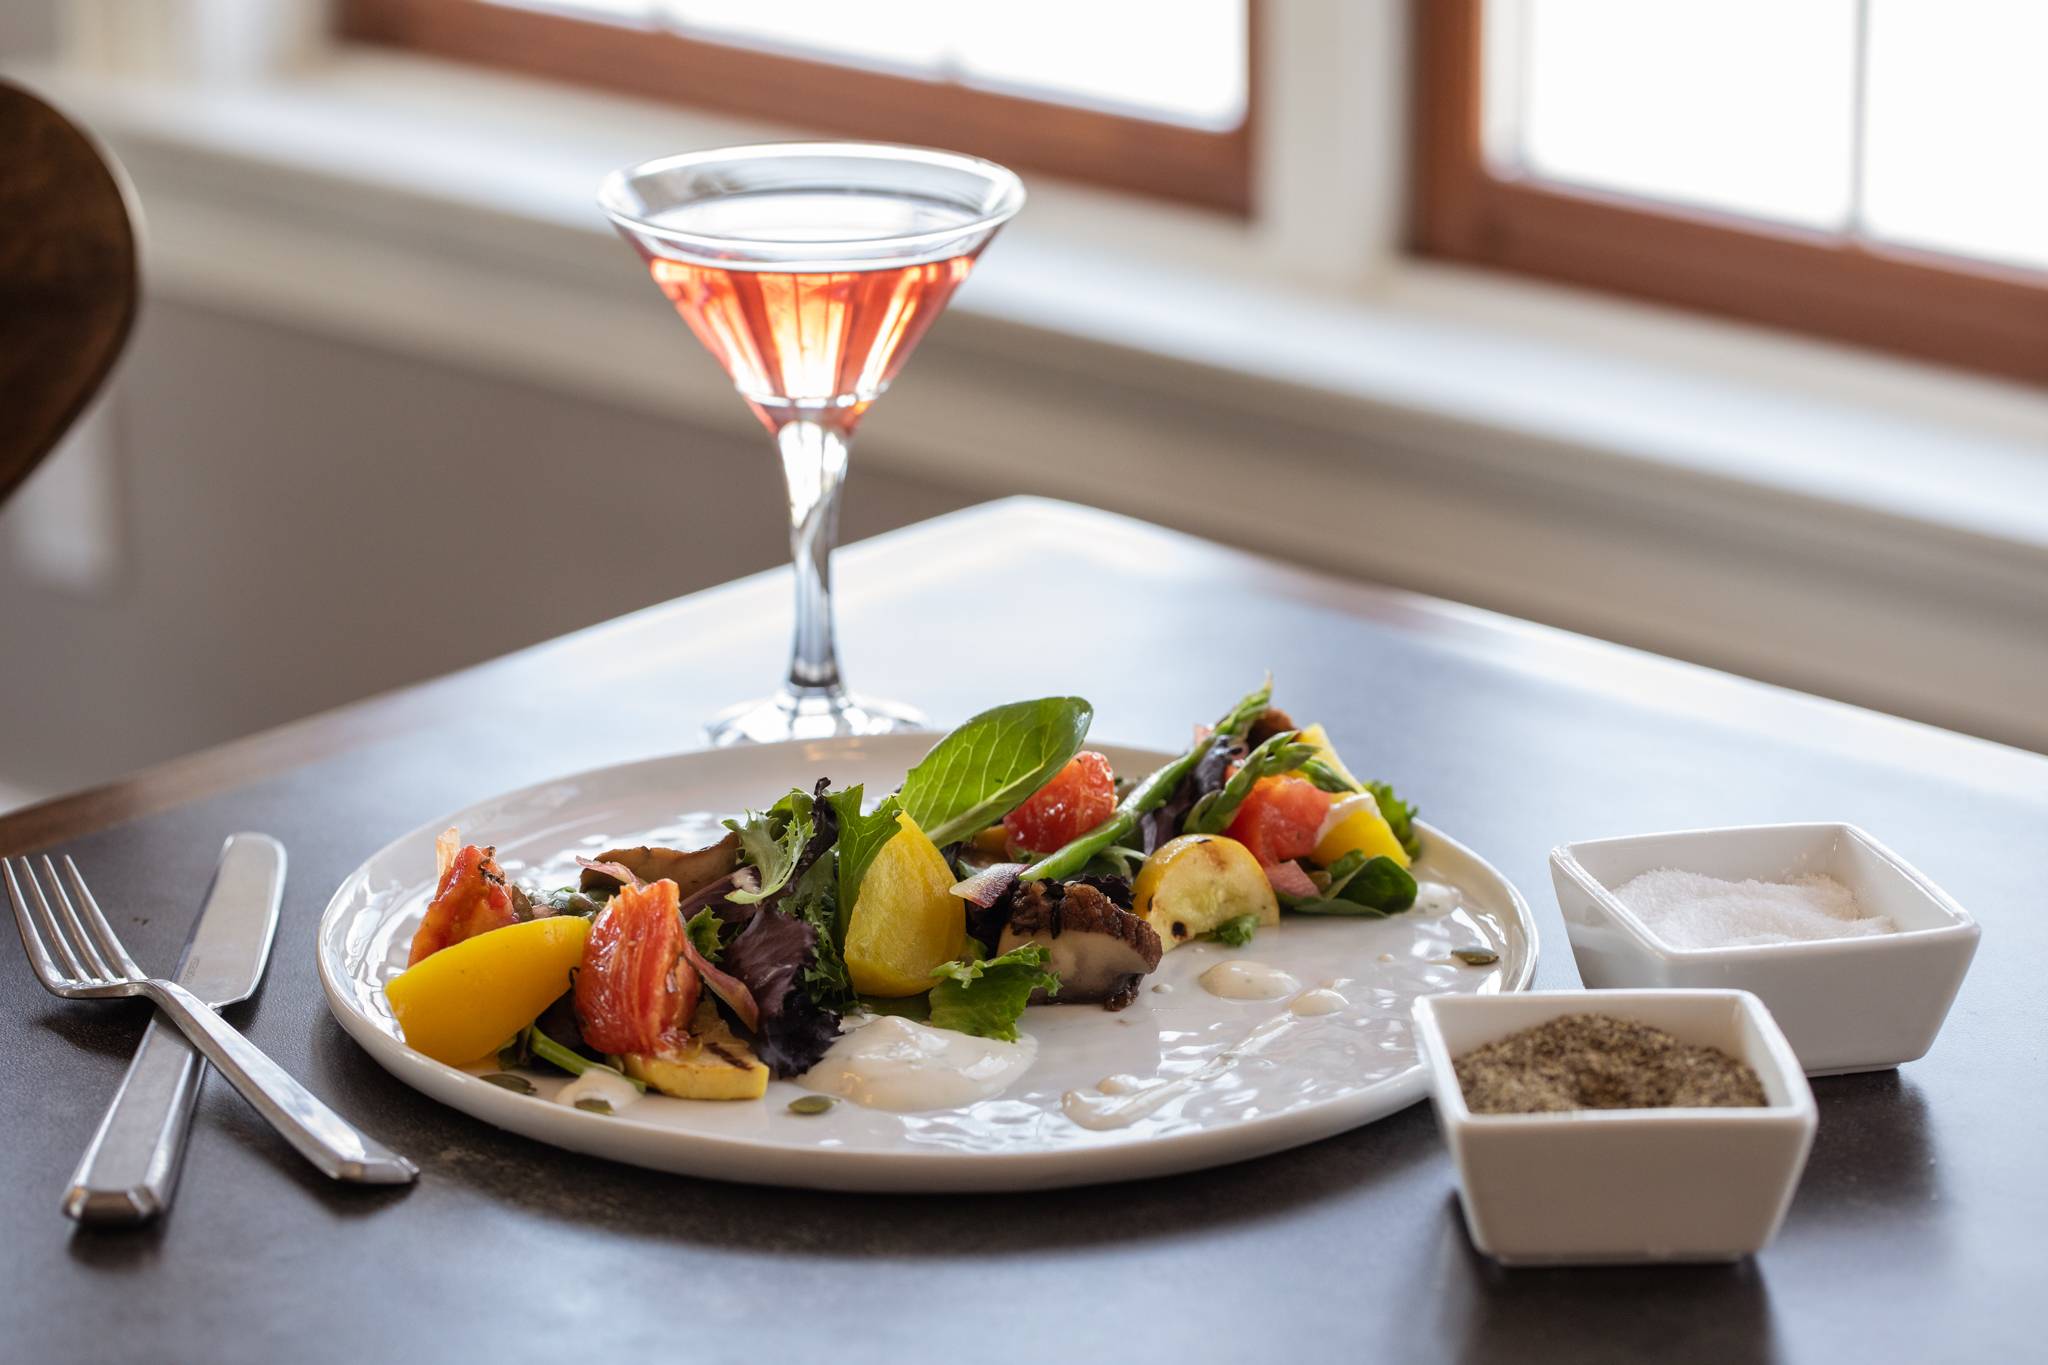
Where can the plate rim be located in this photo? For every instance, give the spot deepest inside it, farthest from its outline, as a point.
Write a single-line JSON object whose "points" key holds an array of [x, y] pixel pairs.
{"points": [[934, 1170]]}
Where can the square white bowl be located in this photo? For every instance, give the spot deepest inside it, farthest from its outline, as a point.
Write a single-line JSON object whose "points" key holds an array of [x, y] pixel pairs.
{"points": [[1622, 1186], [1846, 1004]]}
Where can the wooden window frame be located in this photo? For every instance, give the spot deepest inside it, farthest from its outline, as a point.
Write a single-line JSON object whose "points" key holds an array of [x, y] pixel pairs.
{"points": [[1964, 312], [1209, 169]]}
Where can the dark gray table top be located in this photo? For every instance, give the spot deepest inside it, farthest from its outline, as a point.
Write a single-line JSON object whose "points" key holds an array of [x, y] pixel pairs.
{"points": [[1918, 1232]]}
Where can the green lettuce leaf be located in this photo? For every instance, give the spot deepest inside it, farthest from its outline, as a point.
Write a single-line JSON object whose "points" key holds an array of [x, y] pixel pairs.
{"points": [[771, 842], [915, 1007], [860, 838], [815, 900], [986, 996], [1236, 932], [704, 930], [1371, 888], [991, 765]]}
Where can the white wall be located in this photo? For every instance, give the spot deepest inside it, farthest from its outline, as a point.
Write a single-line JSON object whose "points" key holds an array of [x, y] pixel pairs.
{"points": [[297, 521], [28, 27]]}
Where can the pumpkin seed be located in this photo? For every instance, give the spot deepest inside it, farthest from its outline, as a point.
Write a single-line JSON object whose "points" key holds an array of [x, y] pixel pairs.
{"points": [[518, 1085]]}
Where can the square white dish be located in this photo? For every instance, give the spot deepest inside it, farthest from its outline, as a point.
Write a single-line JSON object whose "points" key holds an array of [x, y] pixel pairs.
{"points": [[1848, 1004], [1622, 1186]]}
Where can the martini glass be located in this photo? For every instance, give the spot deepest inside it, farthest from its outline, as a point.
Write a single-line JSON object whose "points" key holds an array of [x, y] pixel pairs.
{"points": [[811, 271]]}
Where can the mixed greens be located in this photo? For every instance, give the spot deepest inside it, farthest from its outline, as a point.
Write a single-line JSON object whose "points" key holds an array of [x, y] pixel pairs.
{"points": [[1010, 868]]}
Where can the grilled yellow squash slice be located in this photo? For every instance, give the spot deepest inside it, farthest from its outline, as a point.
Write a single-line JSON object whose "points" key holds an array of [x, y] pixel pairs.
{"points": [[713, 1065]]}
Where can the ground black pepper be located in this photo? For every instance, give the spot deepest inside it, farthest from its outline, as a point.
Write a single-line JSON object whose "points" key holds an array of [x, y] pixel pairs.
{"points": [[1596, 1061]]}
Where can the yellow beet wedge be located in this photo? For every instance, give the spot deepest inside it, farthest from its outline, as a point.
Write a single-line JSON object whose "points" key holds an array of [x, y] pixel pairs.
{"points": [[907, 922], [465, 1001], [1358, 824]]}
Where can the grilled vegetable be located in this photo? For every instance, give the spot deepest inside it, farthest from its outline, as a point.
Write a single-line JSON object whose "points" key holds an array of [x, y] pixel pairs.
{"points": [[713, 1064], [1197, 883], [690, 869]]}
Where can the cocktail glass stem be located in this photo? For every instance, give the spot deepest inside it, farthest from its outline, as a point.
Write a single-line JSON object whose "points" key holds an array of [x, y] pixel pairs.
{"points": [[813, 701], [814, 454]]}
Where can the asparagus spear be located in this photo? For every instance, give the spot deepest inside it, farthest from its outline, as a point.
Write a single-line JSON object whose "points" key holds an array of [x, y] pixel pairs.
{"points": [[1278, 754], [1149, 794], [569, 1060]]}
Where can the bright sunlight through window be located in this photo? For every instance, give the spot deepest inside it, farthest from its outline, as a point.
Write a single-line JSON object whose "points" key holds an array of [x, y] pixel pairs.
{"points": [[1181, 61], [1838, 115]]}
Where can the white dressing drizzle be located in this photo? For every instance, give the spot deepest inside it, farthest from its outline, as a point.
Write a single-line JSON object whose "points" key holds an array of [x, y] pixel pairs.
{"points": [[1120, 1101], [1242, 979], [1434, 898], [888, 1062], [599, 1083]]}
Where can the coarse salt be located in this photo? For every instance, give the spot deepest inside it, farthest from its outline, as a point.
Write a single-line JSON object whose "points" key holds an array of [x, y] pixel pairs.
{"points": [[1688, 910]]}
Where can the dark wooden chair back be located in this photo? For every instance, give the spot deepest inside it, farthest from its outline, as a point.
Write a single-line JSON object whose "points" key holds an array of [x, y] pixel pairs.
{"points": [[68, 277]]}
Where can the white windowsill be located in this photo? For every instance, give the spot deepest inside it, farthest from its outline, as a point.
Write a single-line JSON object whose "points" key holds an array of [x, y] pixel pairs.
{"points": [[449, 211]]}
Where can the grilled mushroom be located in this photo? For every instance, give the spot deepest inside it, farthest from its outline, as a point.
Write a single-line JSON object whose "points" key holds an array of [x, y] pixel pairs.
{"points": [[1099, 949], [1271, 722], [690, 869]]}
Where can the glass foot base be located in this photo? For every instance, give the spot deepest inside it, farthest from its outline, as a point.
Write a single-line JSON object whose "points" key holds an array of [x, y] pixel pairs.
{"points": [[816, 715]]}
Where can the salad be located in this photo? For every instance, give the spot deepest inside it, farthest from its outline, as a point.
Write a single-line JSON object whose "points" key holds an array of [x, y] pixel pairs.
{"points": [[1013, 867]]}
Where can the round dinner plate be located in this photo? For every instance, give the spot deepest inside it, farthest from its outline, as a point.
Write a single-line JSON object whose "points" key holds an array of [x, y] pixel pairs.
{"points": [[1246, 1077]]}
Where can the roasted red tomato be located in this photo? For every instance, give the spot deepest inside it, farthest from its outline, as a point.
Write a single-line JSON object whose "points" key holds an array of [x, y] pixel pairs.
{"points": [[1080, 796], [634, 991], [472, 899], [1280, 818]]}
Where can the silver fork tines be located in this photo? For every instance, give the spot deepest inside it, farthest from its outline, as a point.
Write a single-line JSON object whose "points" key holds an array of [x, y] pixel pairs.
{"points": [[90, 963]]}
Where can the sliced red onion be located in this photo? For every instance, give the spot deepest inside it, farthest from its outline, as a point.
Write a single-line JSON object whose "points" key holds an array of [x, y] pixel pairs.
{"points": [[689, 988], [739, 879], [725, 986], [987, 886], [1289, 880], [618, 872]]}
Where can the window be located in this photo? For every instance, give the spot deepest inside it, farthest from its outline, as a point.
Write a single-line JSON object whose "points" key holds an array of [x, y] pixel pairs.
{"points": [[1863, 169], [1146, 95]]}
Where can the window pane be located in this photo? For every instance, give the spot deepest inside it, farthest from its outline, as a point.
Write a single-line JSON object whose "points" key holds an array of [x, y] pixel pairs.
{"points": [[1958, 124], [1741, 105], [1183, 61], [900, 33]]}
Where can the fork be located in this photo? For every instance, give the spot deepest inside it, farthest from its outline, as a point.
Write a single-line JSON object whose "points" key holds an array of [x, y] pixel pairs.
{"points": [[91, 964]]}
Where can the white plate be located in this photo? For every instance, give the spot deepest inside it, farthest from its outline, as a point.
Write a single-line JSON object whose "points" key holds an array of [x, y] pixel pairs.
{"points": [[1306, 1079]]}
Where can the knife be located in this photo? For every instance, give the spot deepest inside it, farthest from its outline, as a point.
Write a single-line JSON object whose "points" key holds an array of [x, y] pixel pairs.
{"points": [[129, 1171]]}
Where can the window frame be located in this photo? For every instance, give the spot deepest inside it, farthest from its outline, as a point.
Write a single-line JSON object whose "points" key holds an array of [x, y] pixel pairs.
{"points": [[1975, 314], [1210, 169]]}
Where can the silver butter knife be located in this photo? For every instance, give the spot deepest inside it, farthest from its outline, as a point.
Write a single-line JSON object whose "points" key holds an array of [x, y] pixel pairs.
{"points": [[128, 1172]]}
